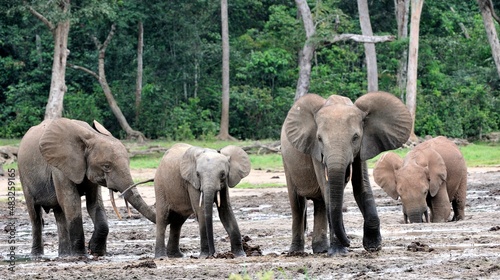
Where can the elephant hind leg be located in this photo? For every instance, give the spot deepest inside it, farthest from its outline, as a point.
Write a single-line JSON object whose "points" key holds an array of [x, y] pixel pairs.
{"points": [[35, 213], [173, 250], [62, 233], [298, 205], [162, 220], [458, 203]]}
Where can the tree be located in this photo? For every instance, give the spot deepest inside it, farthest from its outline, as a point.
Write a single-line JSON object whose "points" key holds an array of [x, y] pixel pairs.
{"points": [[138, 82], [224, 120], [488, 13], [370, 53], [411, 86], [307, 52], [402, 11], [60, 33], [101, 77]]}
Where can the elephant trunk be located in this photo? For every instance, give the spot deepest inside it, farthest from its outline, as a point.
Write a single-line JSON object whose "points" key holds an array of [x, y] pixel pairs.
{"points": [[208, 201], [418, 216], [140, 205], [336, 184]]}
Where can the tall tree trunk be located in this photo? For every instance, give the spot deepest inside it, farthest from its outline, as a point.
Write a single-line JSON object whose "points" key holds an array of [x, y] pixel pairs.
{"points": [[224, 120], [402, 12], [307, 52], [370, 53], [411, 86], [487, 11], [138, 82], [60, 33]]}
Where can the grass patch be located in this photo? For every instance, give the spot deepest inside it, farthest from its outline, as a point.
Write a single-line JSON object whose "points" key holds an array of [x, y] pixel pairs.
{"points": [[481, 154], [246, 185], [266, 162], [10, 142]]}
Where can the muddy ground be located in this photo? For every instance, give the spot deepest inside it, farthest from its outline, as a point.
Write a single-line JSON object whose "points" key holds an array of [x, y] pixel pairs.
{"points": [[468, 249]]}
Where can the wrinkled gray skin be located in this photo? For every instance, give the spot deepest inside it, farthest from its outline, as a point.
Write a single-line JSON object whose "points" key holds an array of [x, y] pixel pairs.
{"points": [[432, 175], [60, 161], [322, 140], [187, 173]]}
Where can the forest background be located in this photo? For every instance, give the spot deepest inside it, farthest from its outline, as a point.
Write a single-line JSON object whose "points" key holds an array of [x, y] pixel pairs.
{"points": [[458, 85]]}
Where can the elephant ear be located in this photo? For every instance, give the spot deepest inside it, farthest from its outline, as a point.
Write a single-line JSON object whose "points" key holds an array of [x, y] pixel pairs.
{"points": [[188, 166], [63, 146], [300, 125], [384, 173], [99, 127], [387, 123], [239, 164], [435, 168]]}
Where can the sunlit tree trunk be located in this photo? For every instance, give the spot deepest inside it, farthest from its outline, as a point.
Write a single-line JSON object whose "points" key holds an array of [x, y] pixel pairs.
{"points": [[138, 82], [411, 86], [370, 53], [224, 121], [487, 11], [402, 13], [307, 52], [60, 33]]}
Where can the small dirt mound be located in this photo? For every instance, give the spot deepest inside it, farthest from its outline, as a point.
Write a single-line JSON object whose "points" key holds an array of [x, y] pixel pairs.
{"points": [[144, 264], [297, 254], [419, 247], [495, 228], [251, 251]]}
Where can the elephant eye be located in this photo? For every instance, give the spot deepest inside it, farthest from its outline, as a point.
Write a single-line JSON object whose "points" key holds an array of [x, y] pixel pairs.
{"points": [[106, 167], [222, 176], [320, 139], [198, 174], [355, 137]]}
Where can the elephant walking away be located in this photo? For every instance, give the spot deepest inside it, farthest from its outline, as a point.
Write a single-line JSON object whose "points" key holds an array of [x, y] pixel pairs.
{"points": [[189, 180], [324, 144], [61, 160], [432, 175]]}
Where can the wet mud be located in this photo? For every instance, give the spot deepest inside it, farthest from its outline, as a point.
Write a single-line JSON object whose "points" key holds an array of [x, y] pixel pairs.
{"points": [[467, 249]]}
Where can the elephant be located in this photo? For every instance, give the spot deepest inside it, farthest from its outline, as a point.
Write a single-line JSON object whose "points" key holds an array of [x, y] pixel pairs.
{"points": [[432, 175], [324, 144], [61, 160], [189, 180]]}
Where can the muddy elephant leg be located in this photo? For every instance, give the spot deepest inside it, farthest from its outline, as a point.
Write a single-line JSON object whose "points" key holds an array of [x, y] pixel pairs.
{"points": [[459, 202], [95, 207], [70, 201], [298, 205], [35, 213], [440, 206], [372, 240], [161, 226], [176, 222], [62, 232], [320, 238], [230, 224]]}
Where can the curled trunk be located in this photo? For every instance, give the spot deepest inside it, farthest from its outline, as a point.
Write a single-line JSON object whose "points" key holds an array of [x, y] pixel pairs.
{"points": [[140, 205]]}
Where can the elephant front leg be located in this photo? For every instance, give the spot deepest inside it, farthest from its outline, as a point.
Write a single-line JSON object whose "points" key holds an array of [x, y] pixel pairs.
{"points": [[95, 207], [320, 238], [229, 222], [372, 239], [62, 233]]}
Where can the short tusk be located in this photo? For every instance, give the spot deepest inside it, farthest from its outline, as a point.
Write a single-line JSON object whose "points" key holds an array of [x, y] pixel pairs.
{"points": [[218, 199], [112, 199], [326, 174], [201, 198], [128, 209]]}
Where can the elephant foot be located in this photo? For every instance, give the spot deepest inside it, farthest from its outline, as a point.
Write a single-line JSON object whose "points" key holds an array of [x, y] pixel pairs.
{"points": [[336, 248], [296, 247], [175, 254], [239, 253], [160, 252], [320, 246], [205, 255], [372, 240], [97, 249]]}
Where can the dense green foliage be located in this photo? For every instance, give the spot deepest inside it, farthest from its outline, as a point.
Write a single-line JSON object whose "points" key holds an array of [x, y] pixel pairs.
{"points": [[458, 86]]}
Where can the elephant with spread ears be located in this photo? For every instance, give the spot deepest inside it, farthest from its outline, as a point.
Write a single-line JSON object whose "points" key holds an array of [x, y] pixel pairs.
{"points": [[324, 144], [190, 180], [433, 175], [61, 160]]}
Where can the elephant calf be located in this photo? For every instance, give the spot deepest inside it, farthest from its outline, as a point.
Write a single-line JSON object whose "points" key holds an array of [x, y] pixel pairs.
{"points": [[432, 175], [189, 180]]}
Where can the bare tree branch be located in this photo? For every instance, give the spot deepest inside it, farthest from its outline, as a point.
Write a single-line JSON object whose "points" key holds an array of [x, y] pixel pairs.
{"points": [[41, 18], [360, 38], [492, 10], [88, 71]]}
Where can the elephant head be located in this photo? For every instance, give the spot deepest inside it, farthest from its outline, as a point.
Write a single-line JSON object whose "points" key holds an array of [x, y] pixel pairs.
{"points": [[81, 152], [337, 132], [418, 177], [211, 172]]}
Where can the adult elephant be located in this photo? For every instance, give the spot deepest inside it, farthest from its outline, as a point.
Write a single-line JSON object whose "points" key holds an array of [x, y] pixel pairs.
{"points": [[61, 160], [324, 143], [189, 180]]}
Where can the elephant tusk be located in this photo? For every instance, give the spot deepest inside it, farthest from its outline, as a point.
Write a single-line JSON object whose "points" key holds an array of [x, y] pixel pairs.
{"points": [[218, 199], [201, 198], [426, 213], [128, 209], [326, 173], [112, 199]]}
